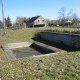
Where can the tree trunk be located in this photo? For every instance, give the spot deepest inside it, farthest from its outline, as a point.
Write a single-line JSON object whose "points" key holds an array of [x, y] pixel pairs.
{"points": [[3, 17]]}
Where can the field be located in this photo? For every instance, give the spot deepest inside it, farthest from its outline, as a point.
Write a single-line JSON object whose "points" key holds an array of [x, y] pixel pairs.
{"points": [[64, 66]]}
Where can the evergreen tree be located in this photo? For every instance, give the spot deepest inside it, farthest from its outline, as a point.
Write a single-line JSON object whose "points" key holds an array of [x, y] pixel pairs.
{"points": [[8, 22], [5, 22]]}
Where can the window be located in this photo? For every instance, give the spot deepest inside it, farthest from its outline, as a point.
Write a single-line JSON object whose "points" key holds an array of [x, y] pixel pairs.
{"points": [[42, 20], [38, 20]]}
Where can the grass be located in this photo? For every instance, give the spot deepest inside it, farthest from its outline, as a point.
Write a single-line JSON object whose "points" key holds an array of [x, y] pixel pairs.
{"points": [[65, 66], [65, 30], [7, 31]]}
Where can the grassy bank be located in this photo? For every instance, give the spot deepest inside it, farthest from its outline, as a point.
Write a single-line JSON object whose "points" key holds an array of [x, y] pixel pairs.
{"points": [[65, 66], [65, 30]]}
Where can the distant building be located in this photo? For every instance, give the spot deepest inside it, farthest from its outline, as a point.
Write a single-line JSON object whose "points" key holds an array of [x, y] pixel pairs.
{"points": [[19, 25], [68, 21], [36, 21], [22, 25]]}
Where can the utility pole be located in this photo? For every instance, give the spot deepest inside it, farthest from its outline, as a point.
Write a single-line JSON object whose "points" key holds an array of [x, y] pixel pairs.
{"points": [[3, 17]]}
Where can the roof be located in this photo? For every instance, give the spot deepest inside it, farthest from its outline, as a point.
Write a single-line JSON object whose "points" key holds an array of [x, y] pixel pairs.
{"points": [[33, 19], [68, 21]]}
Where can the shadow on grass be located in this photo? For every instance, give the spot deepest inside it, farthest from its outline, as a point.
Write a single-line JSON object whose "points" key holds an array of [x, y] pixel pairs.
{"points": [[57, 45]]}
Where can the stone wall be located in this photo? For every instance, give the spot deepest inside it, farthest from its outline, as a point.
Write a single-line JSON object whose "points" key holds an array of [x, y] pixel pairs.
{"points": [[63, 38], [46, 49]]}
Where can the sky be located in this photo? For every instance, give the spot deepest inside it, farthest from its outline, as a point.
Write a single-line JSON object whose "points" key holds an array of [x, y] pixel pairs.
{"points": [[29, 8]]}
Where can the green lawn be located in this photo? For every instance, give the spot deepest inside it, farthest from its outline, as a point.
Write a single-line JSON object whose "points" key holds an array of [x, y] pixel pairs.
{"points": [[64, 66], [65, 30]]}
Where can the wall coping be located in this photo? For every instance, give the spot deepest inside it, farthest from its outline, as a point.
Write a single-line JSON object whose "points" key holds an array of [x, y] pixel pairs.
{"points": [[71, 34]]}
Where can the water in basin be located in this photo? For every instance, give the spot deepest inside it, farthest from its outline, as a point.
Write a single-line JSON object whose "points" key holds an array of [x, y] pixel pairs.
{"points": [[25, 52]]}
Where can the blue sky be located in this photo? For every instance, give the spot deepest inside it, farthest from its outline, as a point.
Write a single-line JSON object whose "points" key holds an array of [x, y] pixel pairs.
{"points": [[47, 8]]}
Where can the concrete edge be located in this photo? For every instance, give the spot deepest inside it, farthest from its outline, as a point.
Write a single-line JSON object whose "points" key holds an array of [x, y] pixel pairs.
{"points": [[7, 48], [9, 53], [11, 56]]}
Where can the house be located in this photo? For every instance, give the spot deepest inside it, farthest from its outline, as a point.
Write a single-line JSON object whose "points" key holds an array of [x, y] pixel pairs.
{"points": [[68, 22], [19, 25], [36, 21], [22, 25]]}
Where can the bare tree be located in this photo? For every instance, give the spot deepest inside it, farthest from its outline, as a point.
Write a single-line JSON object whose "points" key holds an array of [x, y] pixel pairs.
{"points": [[19, 19], [3, 17], [62, 15], [65, 17], [75, 19], [22, 19], [69, 16]]}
